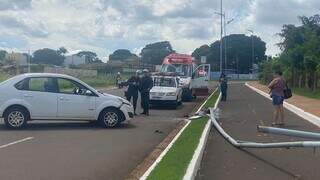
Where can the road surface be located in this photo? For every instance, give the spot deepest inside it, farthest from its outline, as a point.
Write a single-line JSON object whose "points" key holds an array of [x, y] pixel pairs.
{"points": [[84, 151], [244, 110]]}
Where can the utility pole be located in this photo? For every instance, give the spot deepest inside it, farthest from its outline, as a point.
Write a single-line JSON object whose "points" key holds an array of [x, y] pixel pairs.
{"points": [[221, 33], [225, 39], [29, 61], [221, 36], [252, 49]]}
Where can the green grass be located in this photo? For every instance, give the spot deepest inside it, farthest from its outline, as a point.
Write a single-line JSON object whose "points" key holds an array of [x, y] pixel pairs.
{"points": [[3, 76], [211, 102], [307, 93], [175, 162], [100, 81]]}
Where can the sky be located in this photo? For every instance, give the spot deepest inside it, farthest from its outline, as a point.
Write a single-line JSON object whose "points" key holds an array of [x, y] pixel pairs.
{"points": [[103, 26]]}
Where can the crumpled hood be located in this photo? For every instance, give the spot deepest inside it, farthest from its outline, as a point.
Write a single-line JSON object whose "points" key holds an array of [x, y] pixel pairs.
{"points": [[120, 99]]}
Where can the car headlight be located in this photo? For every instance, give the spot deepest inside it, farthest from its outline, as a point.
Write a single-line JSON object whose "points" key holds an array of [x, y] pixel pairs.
{"points": [[153, 93], [125, 102], [171, 94]]}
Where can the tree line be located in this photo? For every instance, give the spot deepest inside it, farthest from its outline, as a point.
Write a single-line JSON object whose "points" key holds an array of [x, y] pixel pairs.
{"points": [[299, 59], [54, 57]]}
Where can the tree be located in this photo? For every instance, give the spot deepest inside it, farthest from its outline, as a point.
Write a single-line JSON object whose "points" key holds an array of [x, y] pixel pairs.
{"points": [[121, 54], [156, 52], [300, 57], [62, 51], [90, 57], [203, 50], [239, 52], [3, 54], [47, 56]]}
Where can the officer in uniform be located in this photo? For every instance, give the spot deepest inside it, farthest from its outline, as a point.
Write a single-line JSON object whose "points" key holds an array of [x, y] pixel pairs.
{"points": [[146, 84], [133, 89]]}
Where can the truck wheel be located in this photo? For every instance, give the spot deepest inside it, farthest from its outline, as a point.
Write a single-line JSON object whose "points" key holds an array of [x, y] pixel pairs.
{"points": [[110, 118], [16, 117]]}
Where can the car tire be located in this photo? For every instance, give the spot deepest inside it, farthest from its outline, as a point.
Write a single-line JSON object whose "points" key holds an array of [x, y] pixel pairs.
{"points": [[110, 118], [16, 118]]}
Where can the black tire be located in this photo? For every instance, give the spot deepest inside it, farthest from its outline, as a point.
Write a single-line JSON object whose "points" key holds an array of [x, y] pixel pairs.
{"points": [[16, 117], [110, 118]]}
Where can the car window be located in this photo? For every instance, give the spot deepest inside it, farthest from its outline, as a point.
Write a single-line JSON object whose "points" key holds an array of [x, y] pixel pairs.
{"points": [[22, 85], [42, 84], [67, 86], [165, 82]]}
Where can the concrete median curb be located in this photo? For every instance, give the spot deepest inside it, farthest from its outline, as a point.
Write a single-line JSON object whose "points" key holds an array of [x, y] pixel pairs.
{"points": [[196, 159], [300, 112], [195, 162]]}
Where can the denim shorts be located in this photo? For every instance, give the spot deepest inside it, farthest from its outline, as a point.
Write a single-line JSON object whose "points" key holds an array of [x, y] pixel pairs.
{"points": [[277, 100]]}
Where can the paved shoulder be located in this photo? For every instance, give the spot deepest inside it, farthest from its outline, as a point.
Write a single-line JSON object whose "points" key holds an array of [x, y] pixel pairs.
{"points": [[243, 111]]}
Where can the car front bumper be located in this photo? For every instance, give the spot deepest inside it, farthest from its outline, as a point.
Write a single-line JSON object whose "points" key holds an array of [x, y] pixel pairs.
{"points": [[163, 102], [127, 110]]}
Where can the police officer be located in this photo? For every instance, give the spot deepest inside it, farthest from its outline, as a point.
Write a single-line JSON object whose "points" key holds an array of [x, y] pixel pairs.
{"points": [[223, 87], [133, 89], [146, 84]]}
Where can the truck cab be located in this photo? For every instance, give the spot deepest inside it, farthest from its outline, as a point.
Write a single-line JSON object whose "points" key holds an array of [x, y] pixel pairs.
{"points": [[193, 78]]}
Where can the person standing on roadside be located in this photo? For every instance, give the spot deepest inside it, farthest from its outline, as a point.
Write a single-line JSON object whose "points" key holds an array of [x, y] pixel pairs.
{"points": [[118, 79], [133, 89], [223, 87], [277, 87], [146, 84]]}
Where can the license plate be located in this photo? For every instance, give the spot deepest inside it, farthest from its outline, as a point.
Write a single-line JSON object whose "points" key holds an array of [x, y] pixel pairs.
{"points": [[156, 97]]}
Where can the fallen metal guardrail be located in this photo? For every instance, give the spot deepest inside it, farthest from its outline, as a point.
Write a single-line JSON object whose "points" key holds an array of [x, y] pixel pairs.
{"points": [[244, 144]]}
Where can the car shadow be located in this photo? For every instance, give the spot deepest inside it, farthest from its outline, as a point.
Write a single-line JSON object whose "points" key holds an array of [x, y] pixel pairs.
{"points": [[165, 107], [65, 125]]}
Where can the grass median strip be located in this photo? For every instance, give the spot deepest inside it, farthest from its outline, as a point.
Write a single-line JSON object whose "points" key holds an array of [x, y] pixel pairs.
{"points": [[175, 163]]}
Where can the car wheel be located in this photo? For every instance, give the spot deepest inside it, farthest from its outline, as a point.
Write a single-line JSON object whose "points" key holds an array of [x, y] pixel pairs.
{"points": [[110, 118], [16, 117]]}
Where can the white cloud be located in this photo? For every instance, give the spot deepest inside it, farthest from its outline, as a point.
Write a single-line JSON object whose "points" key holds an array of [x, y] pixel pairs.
{"points": [[105, 25]]}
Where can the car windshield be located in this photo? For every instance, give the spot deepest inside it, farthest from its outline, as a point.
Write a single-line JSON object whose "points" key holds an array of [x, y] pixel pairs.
{"points": [[180, 69], [164, 82]]}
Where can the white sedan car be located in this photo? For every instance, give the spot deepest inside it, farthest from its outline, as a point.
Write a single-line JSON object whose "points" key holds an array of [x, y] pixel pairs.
{"points": [[166, 91], [43, 96]]}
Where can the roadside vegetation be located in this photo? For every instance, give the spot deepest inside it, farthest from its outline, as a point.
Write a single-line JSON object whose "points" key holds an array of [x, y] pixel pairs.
{"points": [[3, 76], [299, 59], [100, 81], [307, 93], [175, 163]]}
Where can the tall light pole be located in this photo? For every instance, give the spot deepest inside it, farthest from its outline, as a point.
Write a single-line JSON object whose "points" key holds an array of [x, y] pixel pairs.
{"points": [[225, 40], [252, 48], [221, 34], [221, 14]]}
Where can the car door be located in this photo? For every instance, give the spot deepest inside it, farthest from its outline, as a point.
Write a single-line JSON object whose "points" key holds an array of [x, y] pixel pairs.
{"points": [[40, 94], [74, 101]]}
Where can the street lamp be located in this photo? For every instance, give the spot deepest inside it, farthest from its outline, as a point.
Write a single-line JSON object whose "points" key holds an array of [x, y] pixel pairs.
{"points": [[221, 33], [252, 46], [225, 40]]}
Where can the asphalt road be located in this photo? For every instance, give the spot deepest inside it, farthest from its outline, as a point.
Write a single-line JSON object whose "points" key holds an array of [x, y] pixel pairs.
{"points": [[84, 151], [240, 115]]}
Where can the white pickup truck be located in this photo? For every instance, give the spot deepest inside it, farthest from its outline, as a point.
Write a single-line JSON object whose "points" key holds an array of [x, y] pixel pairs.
{"points": [[166, 91]]}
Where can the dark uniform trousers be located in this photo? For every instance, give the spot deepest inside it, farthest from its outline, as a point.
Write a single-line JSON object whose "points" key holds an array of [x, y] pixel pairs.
{"points": [[145, 98]]}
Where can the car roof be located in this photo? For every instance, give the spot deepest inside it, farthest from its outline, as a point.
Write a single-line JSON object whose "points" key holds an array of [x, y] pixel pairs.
{"points": [[26, 75]]}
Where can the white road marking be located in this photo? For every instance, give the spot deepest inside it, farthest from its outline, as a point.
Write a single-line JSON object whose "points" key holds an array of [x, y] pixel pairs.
{"points": [[16, 142]]}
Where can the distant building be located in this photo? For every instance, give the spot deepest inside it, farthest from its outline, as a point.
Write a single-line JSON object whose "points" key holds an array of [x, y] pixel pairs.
{"points": [[17, 58], [74, 60]]}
